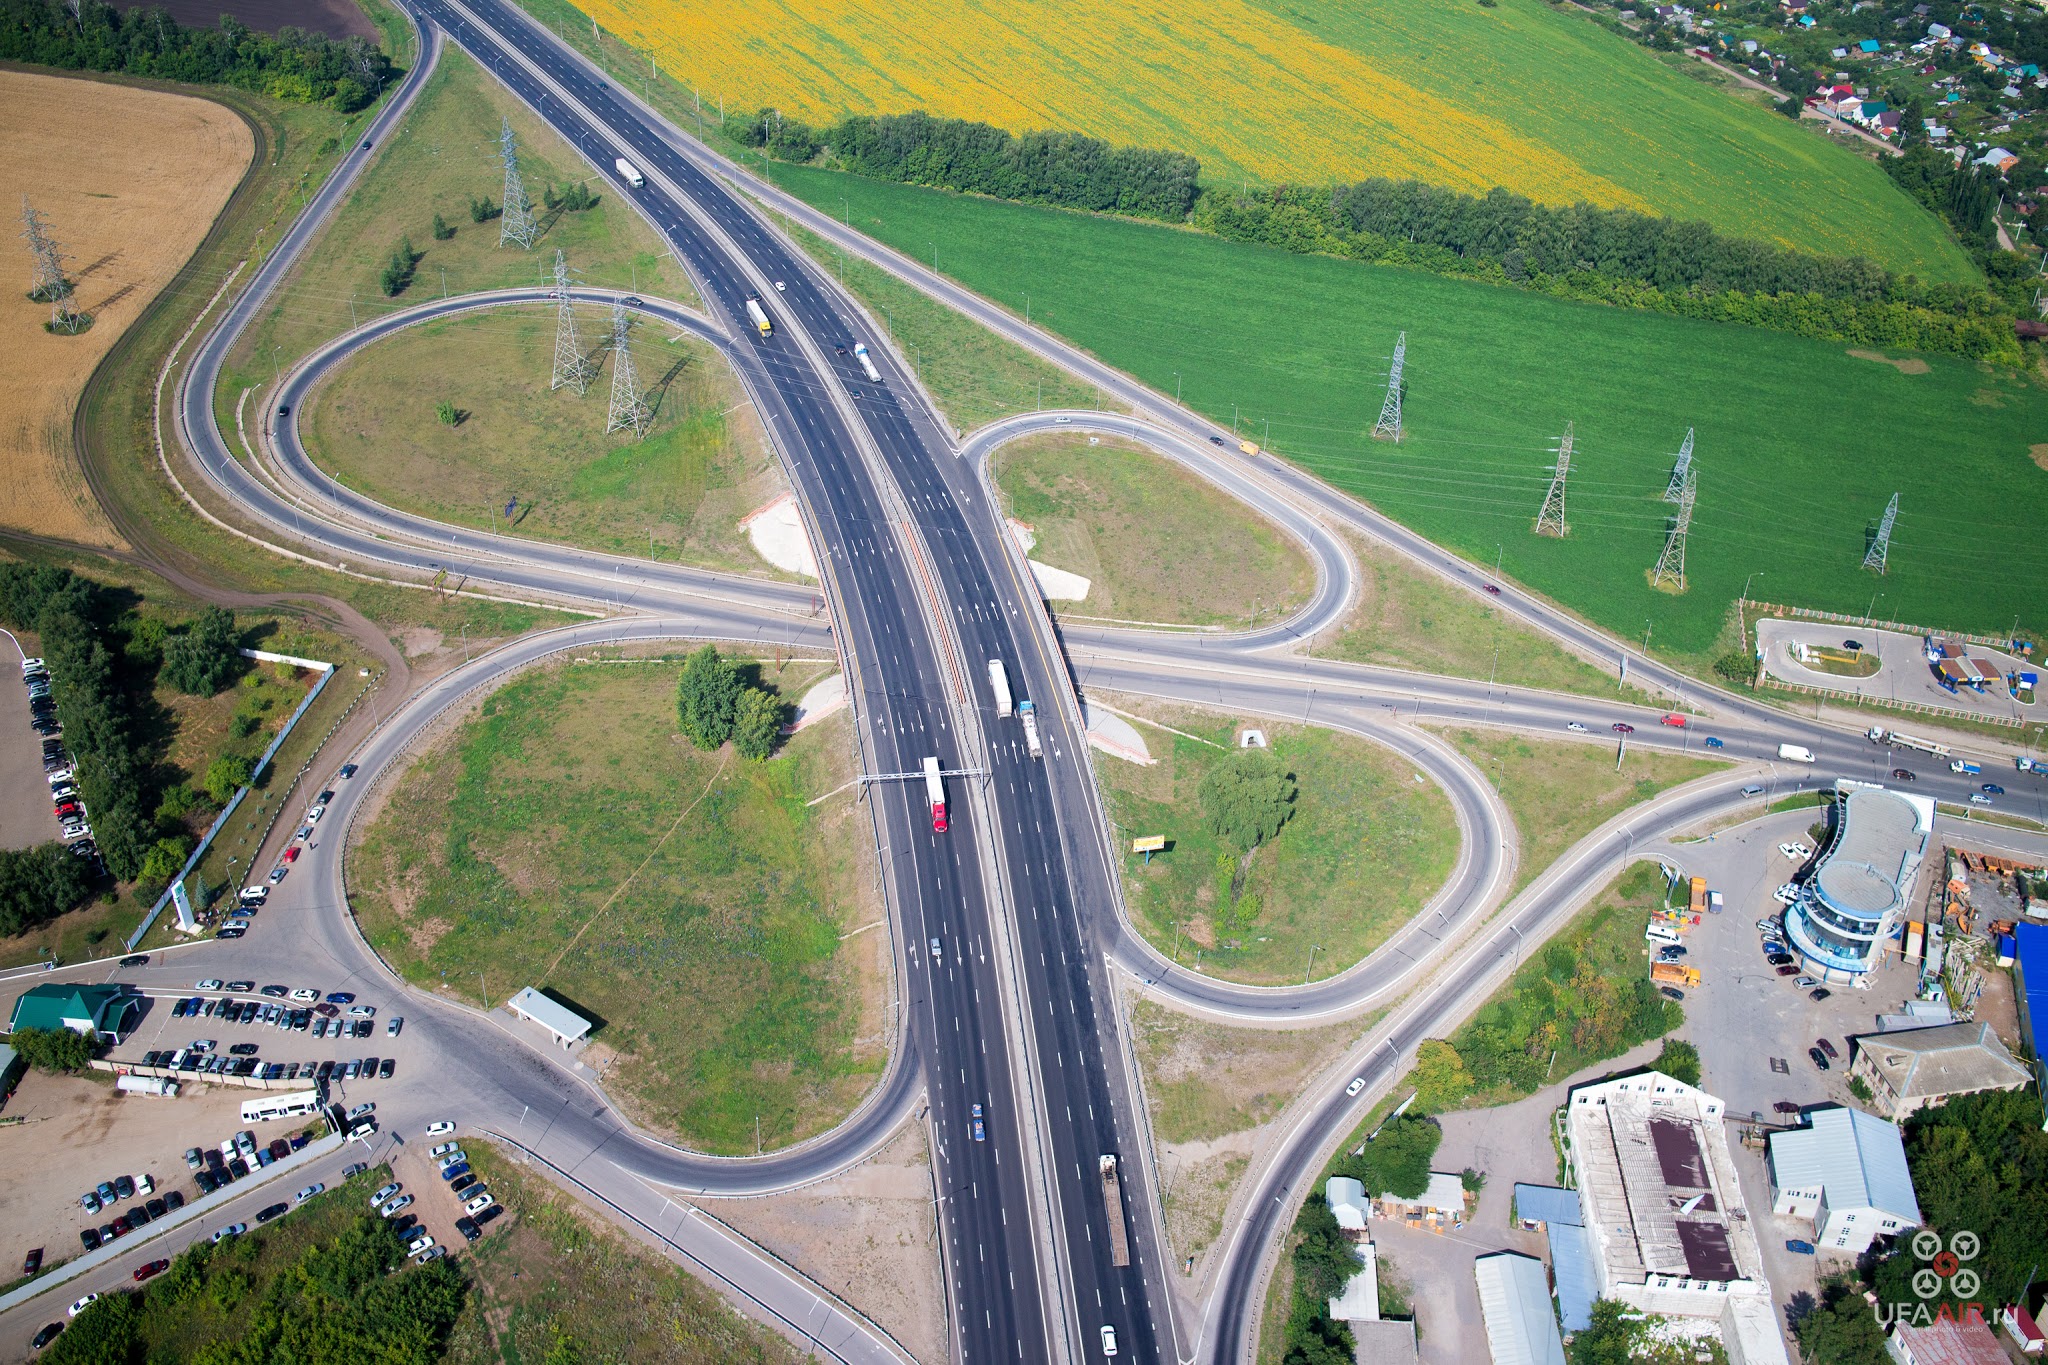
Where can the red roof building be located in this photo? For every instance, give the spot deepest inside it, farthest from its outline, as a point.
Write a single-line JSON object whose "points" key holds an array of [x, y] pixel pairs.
{"points": [[1948, 1341]]}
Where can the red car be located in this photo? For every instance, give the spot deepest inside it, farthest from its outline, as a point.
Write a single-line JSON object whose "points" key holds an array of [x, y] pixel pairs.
{"points": [[1675, 720], [1492, 591], [1828, 1047], [143, 1272], [291, 855]]}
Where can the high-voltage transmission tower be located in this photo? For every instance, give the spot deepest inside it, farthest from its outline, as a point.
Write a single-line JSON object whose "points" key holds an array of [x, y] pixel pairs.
{"points": [[49, 283], [572, 367], [628, 408], [1550, 521], [1388, 428], [1874, 557], [1681, 470], [515, 223], [1671, 564]]}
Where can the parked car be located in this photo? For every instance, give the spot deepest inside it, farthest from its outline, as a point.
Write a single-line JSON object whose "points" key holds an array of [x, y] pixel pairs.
{"points": [[148, 1269], [1819, 1058], [386, 1068], [32, 1262], [398, 1205], [88, 1301], [1671, 992], [1798, 1247], [1788, 970], [477, 1202], [384, 1192], [231, 1230], [1779, 959], [451, 1172], [393, 1025], [274, 1211], [1818, 994], [440, 1128], [1829, 1048], [468, 1228], [47, 1335]]}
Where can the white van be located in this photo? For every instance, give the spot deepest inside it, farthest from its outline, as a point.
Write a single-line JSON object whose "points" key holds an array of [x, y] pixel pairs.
{"points": [[1657, 933]]}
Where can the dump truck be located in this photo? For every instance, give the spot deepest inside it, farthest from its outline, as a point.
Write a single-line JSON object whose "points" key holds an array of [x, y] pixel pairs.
{"points": [[935, 794], [759, 315], [629, 173], [1674, 974], [1964, 765], [999, 683], [1113, 1205], [867, 363], [1698, 902], [1028, 713]]}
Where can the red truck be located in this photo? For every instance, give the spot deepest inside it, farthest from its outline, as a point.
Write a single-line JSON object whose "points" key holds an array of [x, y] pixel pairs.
{"points": [[935, 794], [1674, 719]]}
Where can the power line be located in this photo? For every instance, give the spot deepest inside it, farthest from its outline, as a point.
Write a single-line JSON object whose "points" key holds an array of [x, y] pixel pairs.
{"points": [[1388, 428], [628, 408], [1550, 521], [572, 367], [1880, 548], [515, 223], [1671, 564]]}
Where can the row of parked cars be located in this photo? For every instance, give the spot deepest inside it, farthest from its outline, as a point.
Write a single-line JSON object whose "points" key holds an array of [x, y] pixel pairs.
{"points": [[58, 767], [148, 1206]]}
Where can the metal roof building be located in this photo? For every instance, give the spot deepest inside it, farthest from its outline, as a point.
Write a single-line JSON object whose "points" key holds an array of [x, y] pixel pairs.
{"points": [[1860, 890], [1571, 1263], [2030, 984], [106, 1010], [568, 1026], [1546, 1204], [1846, 1171], [1514, 1298], [1346, 1198], [1908, 1069]]}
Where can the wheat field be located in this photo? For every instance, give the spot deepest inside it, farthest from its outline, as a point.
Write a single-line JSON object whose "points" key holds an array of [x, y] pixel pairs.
{"points": [[1543, 103], [128, 181]]}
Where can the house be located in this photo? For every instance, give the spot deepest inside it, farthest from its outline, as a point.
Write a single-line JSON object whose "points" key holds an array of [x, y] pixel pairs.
{"points": [[1514, 1300], [1346, 1198], [1445, 1198], [1947, 1341], [1806, 21], [1360, 1301], [1999, 160], [2026, 1334], [1793, 6], [1838, 53], [103, 1011], [1888, 123], [1845, 1172], [1867, 45], [1910, 1069]]}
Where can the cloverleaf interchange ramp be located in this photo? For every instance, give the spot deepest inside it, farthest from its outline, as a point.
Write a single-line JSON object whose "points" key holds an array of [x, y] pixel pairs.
{"points": [[924, 584]]}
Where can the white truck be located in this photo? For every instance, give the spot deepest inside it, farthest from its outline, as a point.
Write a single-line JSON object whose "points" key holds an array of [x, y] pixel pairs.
{"points": [[629, 173], [1028, 713], [1877, 734], [999, 683], [146, 1085], [1793, 753], [867, 363], [759, 315], [935, 794]]}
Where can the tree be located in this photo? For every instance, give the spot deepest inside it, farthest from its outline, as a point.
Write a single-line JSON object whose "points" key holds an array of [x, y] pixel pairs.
{"points": [[1397, 1161], [448, 413], [1612, 1338], [1248, 797], [483, 210], [757, 723], [1843, 1330], [163, 862], [1735, 667], [54, 1049], [224, 776], [38, 884], [397, 272], [205, 657], [1679, 1060], [707, 698], [442, 232]]}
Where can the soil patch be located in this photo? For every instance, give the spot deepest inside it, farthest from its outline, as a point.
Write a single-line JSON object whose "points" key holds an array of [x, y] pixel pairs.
{"points": [[128, 181], [1910, 365]]}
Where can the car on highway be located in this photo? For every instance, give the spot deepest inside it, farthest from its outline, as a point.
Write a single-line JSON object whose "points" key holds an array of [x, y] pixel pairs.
{"points": [[149, 1269], [980, 1134], [1491, 590], [88, 1301], [1576, 728], [303, 1195], [1818, 994], [1817, 1057], [1357, 1084], [1752, 790], [1715, 743], [231, 1230], [291, 855], [348, 770], [1852, 644], [1979, 799], [1215, 440], [1903, 775], [440, 1128], [1990, 788], [1108, 1340], [47, 1335], [1675, 721], [781, 288], [1623, 728]]}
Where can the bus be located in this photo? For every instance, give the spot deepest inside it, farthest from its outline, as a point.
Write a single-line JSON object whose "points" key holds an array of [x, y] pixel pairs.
{"points": [[295, 1105]]}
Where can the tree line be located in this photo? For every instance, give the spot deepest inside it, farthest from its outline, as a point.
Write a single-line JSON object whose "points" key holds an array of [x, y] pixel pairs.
{"points": [[104, 661], [1618, 257], [1068, 170], [290, 65]]}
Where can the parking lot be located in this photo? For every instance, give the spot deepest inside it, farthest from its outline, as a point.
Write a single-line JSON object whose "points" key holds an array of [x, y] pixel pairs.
{"points": [[25, 818]]}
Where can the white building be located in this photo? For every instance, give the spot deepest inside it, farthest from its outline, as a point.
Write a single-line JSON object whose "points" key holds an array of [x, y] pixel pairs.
{"points": [[1662, 1205], [1845, 1173], [567, 1026], [1346, 1198]]}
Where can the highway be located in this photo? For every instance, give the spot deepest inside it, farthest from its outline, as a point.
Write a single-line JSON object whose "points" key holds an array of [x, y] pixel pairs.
{"points": [[1013, 1012]]}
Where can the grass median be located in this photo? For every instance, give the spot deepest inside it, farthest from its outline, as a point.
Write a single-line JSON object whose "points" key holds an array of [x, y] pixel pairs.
{"points": [[693, 902], [1156, 543], [1368, 843], [509, 454]]}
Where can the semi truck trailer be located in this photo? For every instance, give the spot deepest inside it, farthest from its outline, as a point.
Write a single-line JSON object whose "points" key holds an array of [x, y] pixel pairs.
{"points": [[1113, 1205], [629, 173], [867, 363], [1028, 713], [759, 315], [999, 683], [935, 794]]}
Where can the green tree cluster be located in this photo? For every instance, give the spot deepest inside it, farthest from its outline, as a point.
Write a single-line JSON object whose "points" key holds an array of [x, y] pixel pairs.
{"points": [[396, 276], [54, 1049], [1840, 1329], [1248, 798], [442, 231], [1679, 1060], [38, 884], [1323, 1263], [578, 198], [714, 704], [1397, 1161], [291, 64], [483, 210], [205, 657]]}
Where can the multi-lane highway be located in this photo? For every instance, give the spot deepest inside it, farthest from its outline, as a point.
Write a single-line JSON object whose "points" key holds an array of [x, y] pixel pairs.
{"points": [[1013, 1009]]}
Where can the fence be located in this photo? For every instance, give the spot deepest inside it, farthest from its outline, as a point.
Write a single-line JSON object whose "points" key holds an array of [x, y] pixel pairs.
{"points": [[220, 822], [1890, 704]]}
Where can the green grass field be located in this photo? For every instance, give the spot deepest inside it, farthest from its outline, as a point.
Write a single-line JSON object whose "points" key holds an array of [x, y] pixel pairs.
{"points": [[1521, 94], [580, 844], [1155, 542], [677, 494], [1367, 846], [1800, 443], [1558, 792]]}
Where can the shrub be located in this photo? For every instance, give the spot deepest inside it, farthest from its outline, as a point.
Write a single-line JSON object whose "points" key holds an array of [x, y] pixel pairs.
{"points": [[757, 723], [707, 698], [447, 412], [205, 657], [442, 232], [53, 1049], [1249, 798], [483, 210], [224, 776]]}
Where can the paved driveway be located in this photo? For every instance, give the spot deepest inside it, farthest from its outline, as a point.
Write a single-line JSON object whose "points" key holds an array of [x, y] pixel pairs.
{"points": [[1902, 675]]}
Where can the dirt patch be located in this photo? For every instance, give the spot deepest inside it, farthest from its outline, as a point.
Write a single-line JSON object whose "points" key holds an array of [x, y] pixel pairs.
{"points": [[1909, 365], [128, 182], [2039, 453], [417, 641], [867, 1235]]}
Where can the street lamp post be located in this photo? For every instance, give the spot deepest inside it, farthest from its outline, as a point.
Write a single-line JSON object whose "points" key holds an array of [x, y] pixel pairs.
{"points": [[1313, 949], [1176, 388], [1873, 605]]}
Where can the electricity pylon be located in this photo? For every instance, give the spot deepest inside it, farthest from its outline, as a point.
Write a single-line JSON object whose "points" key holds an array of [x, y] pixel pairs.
{"points": [[572, 367], [1680, 470], [1671, 564], [1550, 521], [628, 408], [1874, 557], [515, 223], [1388, 428]]}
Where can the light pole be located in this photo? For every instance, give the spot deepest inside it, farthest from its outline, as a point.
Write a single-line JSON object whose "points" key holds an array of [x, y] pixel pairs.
{"points": [[1313, 949], [1176, 388], [935, 254], [1873, 604]]}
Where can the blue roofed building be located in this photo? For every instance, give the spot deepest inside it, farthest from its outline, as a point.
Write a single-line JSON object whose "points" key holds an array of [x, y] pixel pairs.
{"points": [[1556, 1214], [1845, 1172], [2030, 984]]}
